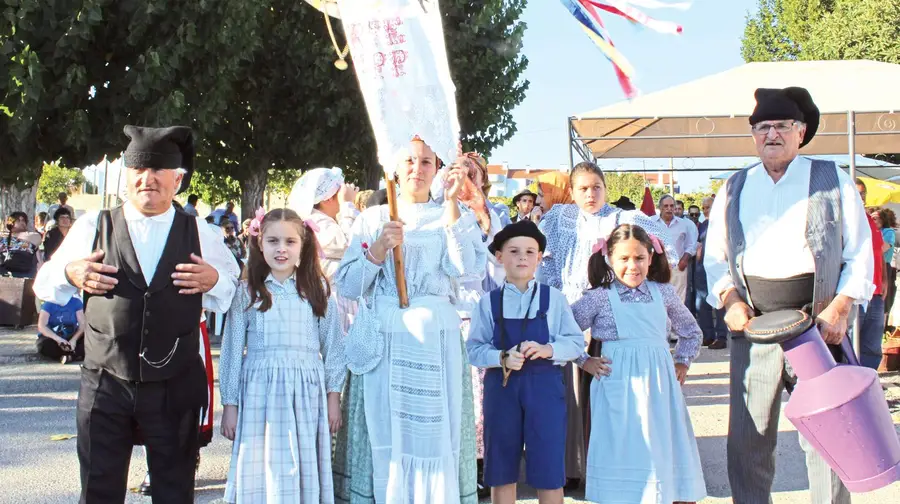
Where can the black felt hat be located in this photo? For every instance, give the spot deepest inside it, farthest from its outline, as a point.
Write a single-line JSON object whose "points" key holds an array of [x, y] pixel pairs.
{"points": [[524, 192], [624, 203], [788, 103], [521, 228], [161, 149]]}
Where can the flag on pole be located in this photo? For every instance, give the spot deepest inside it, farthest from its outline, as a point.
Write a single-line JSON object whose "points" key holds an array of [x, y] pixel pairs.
{"points": [[398, 52], [648, 207], [585, 12]]}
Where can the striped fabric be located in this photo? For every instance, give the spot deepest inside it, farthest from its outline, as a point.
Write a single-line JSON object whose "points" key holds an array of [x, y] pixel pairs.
{"points": [[753, 419]]}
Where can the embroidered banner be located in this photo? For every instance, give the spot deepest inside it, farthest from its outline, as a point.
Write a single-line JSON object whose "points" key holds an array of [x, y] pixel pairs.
{"points": [[398, 51]]}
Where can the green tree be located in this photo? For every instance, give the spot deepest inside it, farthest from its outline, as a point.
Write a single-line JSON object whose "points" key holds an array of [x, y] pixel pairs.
{"points": [[282, 117], [56, 179], [74, 72], [630, 185], [214, 188]]}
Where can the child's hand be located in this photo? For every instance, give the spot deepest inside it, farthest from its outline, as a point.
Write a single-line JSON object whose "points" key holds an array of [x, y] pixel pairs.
{"points": [[532, 350], [334, 412], [514, 360], [229, 421], [681, 371], [597, 366]]}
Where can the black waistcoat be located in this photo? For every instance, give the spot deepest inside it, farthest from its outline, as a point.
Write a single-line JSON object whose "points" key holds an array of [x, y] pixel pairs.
{"points": [[135, 331]]}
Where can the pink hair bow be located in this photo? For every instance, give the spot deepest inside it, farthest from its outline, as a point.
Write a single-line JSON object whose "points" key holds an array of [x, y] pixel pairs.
{"points": [[600, 246], [256, 223], [657, 245], [315, 229]]}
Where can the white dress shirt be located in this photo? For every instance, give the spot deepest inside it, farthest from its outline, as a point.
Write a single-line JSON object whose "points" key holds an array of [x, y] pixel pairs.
{"points": [[774, 220], [148, 236], [566, 337], [683, 234]]}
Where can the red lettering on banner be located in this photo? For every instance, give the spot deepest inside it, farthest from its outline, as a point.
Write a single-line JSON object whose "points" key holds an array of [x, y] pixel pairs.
{"points": [[390, 28], [379, 61], [398, 58], [355, 38]]}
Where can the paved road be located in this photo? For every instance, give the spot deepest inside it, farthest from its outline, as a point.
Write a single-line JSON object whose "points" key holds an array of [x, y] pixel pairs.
{"points": [[37, 401]]}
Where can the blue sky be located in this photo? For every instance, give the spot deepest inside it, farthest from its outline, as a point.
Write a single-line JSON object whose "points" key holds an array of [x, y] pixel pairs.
{"points": [[569, 75]]}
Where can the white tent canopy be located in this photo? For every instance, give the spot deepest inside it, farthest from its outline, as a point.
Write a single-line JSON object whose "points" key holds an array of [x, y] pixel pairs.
{"points": [[708, 117]]}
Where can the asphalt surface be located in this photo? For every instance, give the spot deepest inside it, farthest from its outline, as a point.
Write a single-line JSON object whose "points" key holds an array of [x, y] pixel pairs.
{"points": [[37, 401]]}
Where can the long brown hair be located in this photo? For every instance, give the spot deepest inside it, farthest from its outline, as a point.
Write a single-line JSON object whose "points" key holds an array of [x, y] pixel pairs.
{"points": [[311, 283], [601, 274]]}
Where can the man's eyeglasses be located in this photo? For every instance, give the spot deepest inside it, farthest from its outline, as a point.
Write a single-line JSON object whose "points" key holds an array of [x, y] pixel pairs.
{"points": [[694, 214], [780, 127], [229, 228]]}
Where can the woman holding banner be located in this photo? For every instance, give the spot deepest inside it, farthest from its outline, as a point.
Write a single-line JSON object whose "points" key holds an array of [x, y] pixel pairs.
{"points": [[408, 427]]}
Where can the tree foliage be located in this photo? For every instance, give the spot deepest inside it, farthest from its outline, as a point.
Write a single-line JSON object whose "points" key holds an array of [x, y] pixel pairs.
{"points": [[823, 30], [254, 79], [214, 188], [74, 72], [56, 179]]}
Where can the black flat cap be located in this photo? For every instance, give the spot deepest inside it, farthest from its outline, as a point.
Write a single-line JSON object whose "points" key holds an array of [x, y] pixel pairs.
{"points": [[521, 228], [161, 149], [788, 103]]}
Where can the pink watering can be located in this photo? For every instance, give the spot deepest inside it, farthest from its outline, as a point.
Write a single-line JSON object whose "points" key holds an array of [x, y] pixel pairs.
{"points": [[839, 409]]}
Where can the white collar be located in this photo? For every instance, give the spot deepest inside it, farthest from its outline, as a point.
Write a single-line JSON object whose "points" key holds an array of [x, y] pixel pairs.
{"points": [[133, 215]]}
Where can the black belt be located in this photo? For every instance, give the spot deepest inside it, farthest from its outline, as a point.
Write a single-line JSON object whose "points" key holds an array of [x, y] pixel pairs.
{"points": [[774, 294]]}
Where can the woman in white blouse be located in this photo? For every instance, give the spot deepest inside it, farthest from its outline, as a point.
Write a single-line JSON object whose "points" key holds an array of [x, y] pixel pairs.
{"points": [[408, 429]]}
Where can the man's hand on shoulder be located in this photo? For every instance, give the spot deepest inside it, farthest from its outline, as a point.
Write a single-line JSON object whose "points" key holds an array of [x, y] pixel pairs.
{"points": [[90, 275]]}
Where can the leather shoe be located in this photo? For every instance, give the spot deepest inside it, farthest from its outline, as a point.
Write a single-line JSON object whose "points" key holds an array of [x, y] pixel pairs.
{"points": [[718, 345]]}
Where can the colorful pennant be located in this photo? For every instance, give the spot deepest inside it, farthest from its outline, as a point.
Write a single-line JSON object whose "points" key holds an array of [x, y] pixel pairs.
{"points": [[585, 12]]}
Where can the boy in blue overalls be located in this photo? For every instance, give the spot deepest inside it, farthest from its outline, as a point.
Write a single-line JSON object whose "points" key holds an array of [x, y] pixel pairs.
{"points": [[523, 333]]}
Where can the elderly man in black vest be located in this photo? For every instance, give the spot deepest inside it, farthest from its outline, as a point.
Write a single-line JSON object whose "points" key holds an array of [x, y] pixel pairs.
{"points": [[147, 270], [787, 233]]}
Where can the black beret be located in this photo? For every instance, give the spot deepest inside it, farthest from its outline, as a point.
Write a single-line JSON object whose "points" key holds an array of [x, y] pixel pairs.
{"points": [[521, 228], [161, 149], [788, 103]]}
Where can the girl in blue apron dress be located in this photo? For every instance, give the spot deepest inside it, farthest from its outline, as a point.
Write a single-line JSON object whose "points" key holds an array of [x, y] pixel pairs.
{"points": [[642, 446], [523, 334]]}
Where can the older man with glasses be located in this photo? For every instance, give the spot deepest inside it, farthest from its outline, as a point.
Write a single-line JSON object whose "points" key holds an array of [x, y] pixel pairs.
{"points": [[787, 233]]}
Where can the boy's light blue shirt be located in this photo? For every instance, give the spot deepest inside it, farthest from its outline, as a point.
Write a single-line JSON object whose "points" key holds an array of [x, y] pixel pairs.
{"points": [[566, 337]]}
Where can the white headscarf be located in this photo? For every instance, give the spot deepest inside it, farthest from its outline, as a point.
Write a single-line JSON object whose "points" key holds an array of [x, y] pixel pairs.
{"points": [[314, 187]]}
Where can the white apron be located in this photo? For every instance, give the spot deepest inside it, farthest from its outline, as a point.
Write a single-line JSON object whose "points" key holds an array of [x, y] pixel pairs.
{"points": [[413, 403], [642, 446]]}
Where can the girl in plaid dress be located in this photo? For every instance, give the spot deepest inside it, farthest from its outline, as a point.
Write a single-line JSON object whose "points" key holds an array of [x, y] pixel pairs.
{"points": [[280, 400]]}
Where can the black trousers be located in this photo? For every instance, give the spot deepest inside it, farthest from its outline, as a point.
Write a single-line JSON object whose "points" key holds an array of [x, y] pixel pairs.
{"points": [[50, 349], [110, 410]]}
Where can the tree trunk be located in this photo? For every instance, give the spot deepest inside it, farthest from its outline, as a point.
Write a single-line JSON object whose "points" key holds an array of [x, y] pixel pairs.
{"points": [[374, 173], [253, 188], [14, 198]]}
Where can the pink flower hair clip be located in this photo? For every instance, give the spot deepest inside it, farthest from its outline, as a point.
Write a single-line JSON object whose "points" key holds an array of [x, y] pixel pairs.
{"points": [[600, 246], [256, 223]]}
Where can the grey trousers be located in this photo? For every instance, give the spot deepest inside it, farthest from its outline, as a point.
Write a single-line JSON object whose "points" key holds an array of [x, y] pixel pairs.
{"points": [[759, 374]]}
